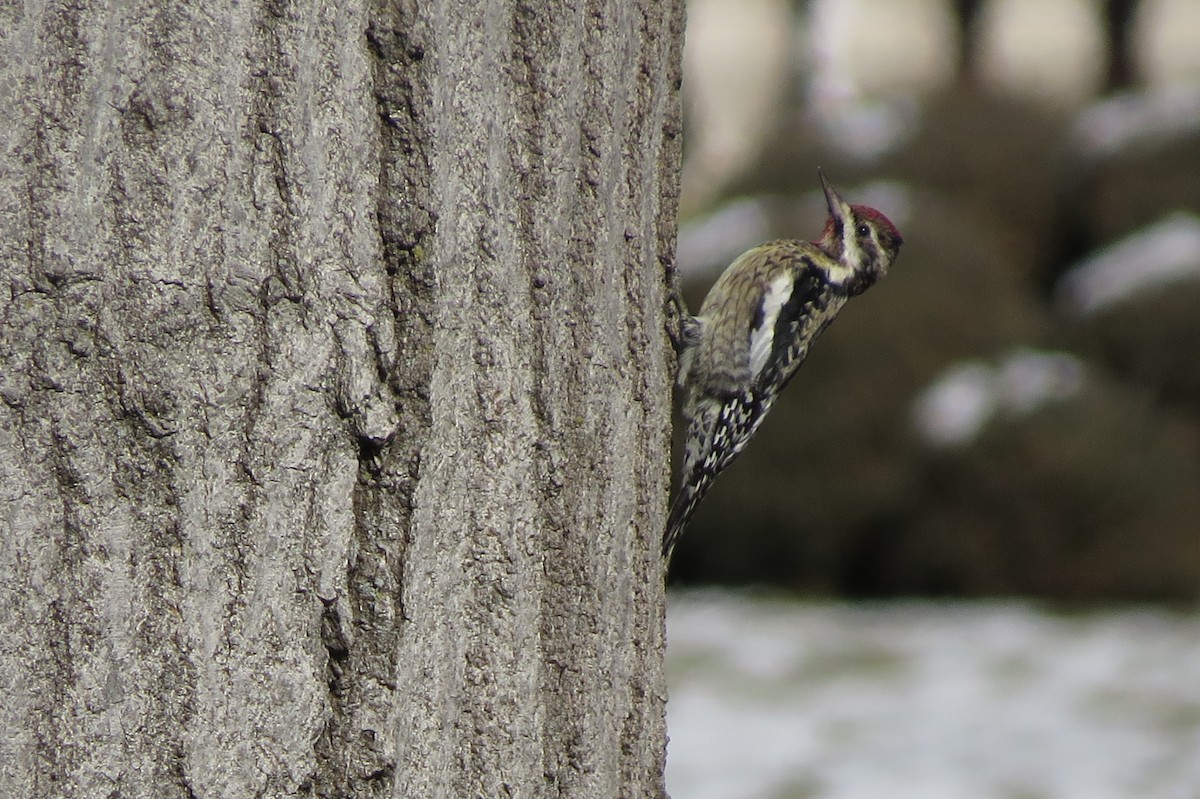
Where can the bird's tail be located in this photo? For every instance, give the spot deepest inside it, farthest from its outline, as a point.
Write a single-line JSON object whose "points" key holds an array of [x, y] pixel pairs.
{"points": [[686, 501]]}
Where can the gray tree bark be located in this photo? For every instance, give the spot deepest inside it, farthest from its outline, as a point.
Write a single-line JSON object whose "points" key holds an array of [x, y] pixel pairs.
{"points": [[334, 397]]}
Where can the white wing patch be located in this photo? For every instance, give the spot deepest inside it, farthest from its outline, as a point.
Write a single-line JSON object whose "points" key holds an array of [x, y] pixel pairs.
{"points": [[762, 338]]}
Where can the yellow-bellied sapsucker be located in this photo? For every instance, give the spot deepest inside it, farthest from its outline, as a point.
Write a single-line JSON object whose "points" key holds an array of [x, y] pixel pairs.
{"points": [[755, 329]]}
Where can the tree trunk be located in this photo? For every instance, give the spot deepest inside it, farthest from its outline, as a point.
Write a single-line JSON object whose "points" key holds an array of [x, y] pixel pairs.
{"points": [[334, 397], [1120, 73]]}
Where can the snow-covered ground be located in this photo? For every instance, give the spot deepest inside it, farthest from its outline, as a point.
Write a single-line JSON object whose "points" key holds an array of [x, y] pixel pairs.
{"points": [[1163, 254], [957, 406], [784, 700]]}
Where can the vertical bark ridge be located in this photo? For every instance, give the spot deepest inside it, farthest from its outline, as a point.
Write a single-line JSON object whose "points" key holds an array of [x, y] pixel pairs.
{"points": [[507, 276], [387, 397], [199, 285], [464, 721], [614, 274]]}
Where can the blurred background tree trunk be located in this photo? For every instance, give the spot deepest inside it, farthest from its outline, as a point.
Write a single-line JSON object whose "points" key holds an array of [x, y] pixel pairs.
{"points": [[334, 398]]}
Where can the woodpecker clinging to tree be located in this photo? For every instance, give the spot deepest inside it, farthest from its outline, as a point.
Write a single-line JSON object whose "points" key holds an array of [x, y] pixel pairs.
{"points": [[755, 329]]}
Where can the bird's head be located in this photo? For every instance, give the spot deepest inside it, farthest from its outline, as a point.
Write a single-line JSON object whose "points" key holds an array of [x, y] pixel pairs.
{"points": [[859, 237]]}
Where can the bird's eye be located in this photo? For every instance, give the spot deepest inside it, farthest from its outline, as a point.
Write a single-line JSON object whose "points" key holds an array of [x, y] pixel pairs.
{"points": [[863, 230]]}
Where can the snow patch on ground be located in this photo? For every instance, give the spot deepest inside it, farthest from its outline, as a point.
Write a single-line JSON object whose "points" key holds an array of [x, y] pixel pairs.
{"points": [[1142, 118], [780, 700], [961, 402], [1160, 255]]}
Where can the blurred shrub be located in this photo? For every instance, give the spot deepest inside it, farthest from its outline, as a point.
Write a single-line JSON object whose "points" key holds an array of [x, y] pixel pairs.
{"points": [[1132, 160], [1096, 497], [999, 156], [1152, 339], [836, 456], [1116, 193]]}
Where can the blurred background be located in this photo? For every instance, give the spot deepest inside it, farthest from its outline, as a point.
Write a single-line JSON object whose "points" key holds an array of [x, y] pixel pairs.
{"points": [[1016, 408], [1001, 438]]}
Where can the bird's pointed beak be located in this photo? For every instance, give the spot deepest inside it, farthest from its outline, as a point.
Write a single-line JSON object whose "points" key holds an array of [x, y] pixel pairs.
{"points": [[839, 209]]}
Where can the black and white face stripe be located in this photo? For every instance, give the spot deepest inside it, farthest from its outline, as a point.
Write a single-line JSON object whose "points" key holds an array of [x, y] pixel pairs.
{"points": [[867, 264], [862, 240], [873, 253]]}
